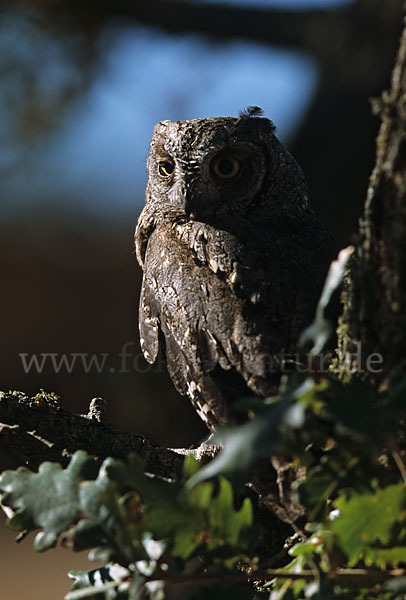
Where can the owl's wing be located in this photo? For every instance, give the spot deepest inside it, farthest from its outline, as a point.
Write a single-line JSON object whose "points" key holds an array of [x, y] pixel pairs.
{"points": [[149, 323], [194, 292], [172, 314]]}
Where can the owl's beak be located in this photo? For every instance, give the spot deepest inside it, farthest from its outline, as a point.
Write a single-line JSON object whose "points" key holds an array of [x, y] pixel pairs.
{"points": [[190, 202], [191, 216], [195, 195]]}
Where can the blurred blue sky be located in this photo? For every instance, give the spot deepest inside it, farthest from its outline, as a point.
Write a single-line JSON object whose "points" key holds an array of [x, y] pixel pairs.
{"points": [[96, 159]]}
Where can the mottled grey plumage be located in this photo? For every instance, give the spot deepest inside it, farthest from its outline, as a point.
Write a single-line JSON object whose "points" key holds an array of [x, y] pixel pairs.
{"points": [[233, 256]]}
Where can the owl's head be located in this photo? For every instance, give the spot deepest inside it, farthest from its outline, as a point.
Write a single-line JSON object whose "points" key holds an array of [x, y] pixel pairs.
{"points": [[210, 169]]}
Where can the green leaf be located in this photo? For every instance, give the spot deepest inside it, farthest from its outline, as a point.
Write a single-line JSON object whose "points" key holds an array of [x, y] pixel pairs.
{"points": [[190, 466], [241, 446], [190, 518], [48, 499], [167, 511], [364, 520], [162, 511], [338, 469], [383, 557], [224, 519], [219, 525], [105, 521], [314, 545], [200, 496], [295, 587], [187, 539], [319, 331]]}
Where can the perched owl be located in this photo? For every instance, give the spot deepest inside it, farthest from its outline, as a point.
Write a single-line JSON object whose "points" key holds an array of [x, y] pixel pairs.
{"points": [[233, 256]]}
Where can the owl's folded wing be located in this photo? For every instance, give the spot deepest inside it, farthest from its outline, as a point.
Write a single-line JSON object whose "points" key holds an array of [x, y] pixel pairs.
{"points": [[215, 353]]}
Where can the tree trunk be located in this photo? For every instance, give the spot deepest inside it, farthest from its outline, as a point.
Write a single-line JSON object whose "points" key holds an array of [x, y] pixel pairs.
{"points": [[372, 330]]}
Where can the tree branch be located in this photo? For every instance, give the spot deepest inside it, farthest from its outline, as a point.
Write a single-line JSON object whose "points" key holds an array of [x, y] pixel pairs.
{"points": [[324, 33], [37, 428], [294, 28], [362, 577]]}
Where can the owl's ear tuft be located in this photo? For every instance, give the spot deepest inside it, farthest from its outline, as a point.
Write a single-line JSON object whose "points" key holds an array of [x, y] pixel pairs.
{"points": [[251, 111], [256, 111]]}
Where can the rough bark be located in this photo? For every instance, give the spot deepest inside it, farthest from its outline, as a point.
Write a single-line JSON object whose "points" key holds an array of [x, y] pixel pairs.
{"points": [[374, 319]]}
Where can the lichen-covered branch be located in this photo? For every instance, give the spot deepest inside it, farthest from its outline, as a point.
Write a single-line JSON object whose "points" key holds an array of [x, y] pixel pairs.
{"points": [[37, 428]]}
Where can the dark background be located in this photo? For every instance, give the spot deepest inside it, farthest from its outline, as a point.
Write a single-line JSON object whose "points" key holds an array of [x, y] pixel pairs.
{"points": [[81, 86]]}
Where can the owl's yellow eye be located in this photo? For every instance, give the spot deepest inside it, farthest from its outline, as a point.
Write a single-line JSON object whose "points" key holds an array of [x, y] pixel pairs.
{"points": [[226, 167], [165, 168]]}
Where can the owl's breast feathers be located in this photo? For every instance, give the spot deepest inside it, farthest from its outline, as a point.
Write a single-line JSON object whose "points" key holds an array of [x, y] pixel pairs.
{"points": [[227, 308]]}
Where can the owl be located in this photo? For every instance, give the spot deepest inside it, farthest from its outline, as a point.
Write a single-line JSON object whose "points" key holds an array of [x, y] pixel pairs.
{"points": [[233, 259]]}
